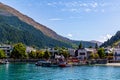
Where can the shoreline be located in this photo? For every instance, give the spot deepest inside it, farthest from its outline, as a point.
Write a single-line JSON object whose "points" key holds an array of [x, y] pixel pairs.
{"points": [[109, 64], [35, 60]]}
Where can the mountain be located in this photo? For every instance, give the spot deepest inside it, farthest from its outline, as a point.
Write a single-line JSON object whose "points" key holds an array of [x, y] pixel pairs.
{"points": [[30, 21], [98, 42], [16, 27], [114, 40], [84, 43]]}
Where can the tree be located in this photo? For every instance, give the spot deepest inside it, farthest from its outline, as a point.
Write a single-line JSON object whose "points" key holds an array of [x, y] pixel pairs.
{"points": [[96, 46], [101, 53], [91, 56], [39, 54], [96, 56], [19, 51], [2, 54], [90, 46], [32, 55], [110, 56], [46, 55], [64, 53], [80, 45]]}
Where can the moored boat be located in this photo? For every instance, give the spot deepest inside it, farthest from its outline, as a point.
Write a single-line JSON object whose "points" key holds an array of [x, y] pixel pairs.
{"points": [[43, 63]]}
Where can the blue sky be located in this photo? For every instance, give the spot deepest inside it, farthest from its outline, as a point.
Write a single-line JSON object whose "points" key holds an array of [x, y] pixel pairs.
{"points": [[76, 19]]}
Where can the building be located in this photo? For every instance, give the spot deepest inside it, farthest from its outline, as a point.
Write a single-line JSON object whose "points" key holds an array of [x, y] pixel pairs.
{"points": [[52, 51], [71, 51], [29, 49], [7, 49], [84, 53], [116, 54], [108, 50]]}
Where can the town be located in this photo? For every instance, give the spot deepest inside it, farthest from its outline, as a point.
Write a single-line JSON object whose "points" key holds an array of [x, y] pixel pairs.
{"points": [[79, 56]]}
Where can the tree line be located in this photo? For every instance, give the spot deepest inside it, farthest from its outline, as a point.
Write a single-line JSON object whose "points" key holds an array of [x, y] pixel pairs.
{"points": [[19, 52]]}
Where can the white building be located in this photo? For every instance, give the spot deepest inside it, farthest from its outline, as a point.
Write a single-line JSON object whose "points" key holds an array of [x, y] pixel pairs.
{"points": [[84, 53], [7, 49], [108, 50], [116, 54]]}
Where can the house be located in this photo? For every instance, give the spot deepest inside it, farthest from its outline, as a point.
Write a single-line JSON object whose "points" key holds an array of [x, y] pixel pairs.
{"points": [[7, 49], [52, 51], [108, 51], [71, 51], [84, 53], [116, 54]]}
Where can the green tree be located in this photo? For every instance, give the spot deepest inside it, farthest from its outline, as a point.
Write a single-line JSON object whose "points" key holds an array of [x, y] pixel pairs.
{"points": [[65, 53], [91, 56], [96, 46], [39, 54], [19, 51], [101, 53], [46, 55], [90, 46], [2, 54], [96, 56], [32, 55], [80, 45], [110, 56]]}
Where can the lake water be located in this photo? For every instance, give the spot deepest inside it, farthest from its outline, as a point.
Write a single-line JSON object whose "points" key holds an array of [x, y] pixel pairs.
{"points": [[26, 71]]}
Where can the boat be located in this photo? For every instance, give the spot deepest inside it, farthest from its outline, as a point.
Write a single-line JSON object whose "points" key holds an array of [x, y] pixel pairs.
{"points": [[43, 63], [62, 64]]}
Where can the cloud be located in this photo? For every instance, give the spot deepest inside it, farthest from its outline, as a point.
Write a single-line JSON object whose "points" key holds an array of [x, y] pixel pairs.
{"points": [[55, 19], [105, 37], [69, 35], [80, 6]]}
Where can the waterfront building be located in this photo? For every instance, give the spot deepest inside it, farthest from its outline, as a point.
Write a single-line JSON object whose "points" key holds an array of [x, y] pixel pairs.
{"points": [[116, 54], [84, 53], [7, 49], [108, 50], [52, 51], [71, 51]]}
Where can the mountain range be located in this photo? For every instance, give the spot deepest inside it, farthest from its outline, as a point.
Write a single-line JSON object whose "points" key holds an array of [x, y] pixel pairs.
{"points": [[16, 27], [113, 41]]}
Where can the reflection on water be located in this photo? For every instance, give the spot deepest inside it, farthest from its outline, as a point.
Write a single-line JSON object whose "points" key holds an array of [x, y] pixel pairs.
{"points": [[25, 71]]}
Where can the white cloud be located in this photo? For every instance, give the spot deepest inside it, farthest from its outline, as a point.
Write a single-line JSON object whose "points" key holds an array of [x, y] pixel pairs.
{"points": [[79, 6], [69, 35], [105, 37], [55, 19]]}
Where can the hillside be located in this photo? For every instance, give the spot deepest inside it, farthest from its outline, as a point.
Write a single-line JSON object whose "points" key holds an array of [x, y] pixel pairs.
{"points": [[29, 31], [113, 41], [14, 30], [35, 24]]}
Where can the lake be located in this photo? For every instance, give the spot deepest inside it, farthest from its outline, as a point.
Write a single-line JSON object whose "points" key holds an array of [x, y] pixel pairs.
{"points": [[27, 71]]}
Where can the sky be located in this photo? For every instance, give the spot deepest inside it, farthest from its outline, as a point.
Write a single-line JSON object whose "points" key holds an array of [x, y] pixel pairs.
{"points": [[75, 19]]}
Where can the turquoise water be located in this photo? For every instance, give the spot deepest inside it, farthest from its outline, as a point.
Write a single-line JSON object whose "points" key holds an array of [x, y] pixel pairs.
{"points": [[26, 71]]}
